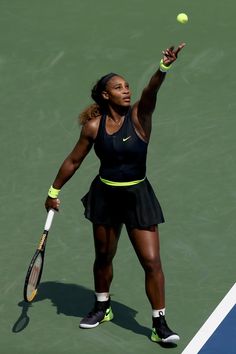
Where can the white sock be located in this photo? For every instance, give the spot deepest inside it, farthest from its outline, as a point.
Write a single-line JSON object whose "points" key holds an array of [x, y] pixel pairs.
{"points": [[102, 296], [158, 313]]}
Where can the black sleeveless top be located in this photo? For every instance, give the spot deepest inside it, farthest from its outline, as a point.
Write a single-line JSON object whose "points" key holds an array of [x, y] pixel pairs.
{"points": [[122, 154]]}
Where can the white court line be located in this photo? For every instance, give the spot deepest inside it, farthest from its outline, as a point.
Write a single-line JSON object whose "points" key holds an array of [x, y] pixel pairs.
{"points": [[212, 322]]}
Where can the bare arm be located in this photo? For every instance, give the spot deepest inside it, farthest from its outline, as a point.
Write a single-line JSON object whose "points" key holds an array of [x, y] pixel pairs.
{"points": [[73, 160], [145, 107]]}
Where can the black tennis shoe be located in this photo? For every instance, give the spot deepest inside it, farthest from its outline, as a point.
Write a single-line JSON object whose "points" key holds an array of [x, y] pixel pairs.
{"points": [[101, 312], [162, 333]]}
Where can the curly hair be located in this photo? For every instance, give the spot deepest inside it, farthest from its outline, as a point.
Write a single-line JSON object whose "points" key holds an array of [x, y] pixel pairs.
{"points": [[99, 107]]}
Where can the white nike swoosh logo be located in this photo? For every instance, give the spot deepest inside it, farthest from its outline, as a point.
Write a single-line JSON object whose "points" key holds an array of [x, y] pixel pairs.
{"points": [[128, 137]]}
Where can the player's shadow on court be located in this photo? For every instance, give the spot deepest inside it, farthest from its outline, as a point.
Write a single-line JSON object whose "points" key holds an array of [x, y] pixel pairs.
{"points": [[77, 301]]}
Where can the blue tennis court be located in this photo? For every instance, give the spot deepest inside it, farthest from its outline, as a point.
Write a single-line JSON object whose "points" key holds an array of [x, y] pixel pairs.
{"points": [[217, 335]]}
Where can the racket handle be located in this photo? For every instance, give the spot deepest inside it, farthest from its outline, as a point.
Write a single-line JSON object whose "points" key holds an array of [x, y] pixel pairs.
{"points": [[49, 219]]}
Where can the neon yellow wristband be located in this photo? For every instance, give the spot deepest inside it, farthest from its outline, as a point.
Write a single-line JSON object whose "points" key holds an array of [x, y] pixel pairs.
{"points": [[163, 68], [53, 192]]}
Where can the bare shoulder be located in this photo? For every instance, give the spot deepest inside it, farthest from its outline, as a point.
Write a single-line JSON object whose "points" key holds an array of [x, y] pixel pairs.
{"points": [[90, 127]]}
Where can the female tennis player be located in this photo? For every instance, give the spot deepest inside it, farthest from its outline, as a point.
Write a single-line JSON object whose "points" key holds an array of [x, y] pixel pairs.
{"points": [[121, 194]]}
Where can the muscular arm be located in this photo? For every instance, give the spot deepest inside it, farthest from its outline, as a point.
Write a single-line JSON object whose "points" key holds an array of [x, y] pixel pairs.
{"points": [[144, 108], [147, 102], [74, 159]]}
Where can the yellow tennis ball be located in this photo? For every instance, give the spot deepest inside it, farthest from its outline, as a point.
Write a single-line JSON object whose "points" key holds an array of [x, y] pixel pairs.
{"points": [[182, 18]]}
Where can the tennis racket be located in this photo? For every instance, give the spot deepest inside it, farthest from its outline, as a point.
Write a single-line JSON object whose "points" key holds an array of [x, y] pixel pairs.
{"points": [[35, 269]]}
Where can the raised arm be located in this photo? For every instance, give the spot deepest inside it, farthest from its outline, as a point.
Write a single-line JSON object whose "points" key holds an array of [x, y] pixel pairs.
{"points": [[147, 103]]}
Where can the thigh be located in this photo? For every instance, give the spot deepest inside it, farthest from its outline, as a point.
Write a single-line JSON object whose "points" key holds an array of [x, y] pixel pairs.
{"points": [[146, 244], [106, 239]]}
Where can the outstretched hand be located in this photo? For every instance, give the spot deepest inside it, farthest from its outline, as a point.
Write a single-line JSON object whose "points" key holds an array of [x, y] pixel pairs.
{"points": [[171, 54]]}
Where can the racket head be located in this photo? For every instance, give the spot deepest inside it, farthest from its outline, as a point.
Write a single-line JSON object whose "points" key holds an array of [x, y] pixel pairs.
{"points": [[33, 276], [34, 272]]}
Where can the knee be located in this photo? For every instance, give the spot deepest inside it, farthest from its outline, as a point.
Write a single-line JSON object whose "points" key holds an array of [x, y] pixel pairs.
{"points": [[103, 258], [152, 265]]}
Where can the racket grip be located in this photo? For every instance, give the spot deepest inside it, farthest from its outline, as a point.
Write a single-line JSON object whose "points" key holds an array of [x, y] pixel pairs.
{"points": [[49, 219]]}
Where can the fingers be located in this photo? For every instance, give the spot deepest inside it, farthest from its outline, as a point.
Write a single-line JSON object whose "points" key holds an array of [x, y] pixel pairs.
{"points": [[170, 51], [170, 54], [181, 46], [57, 204], [52, 203]]}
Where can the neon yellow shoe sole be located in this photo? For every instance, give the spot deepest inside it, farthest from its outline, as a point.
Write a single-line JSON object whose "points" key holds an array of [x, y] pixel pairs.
{"points": [[108, 315], [94, 320], [173, 338]]}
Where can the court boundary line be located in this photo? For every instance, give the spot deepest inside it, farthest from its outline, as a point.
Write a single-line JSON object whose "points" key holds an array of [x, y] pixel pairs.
{"points": [[213, 321]]}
